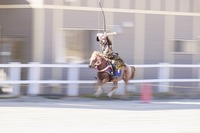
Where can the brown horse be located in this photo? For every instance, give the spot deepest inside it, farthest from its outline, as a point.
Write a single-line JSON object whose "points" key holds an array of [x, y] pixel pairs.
{"points": [[104, 68]]}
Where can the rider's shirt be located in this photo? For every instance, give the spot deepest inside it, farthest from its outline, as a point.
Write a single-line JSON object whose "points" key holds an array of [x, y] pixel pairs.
{"points": [[106, 50]]}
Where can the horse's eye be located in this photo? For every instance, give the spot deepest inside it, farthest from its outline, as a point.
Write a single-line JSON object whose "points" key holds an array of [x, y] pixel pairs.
{"points": [[94, 60]]}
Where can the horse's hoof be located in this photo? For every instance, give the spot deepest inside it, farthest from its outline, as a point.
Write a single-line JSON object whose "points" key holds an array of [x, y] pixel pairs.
{"points": [[97, 94], [109, 95]]}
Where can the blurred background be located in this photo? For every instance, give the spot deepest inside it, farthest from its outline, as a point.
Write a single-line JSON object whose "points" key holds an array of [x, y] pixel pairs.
{"points": [[64, 32]]}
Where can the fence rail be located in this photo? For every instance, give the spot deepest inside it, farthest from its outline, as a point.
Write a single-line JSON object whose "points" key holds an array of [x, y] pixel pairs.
{"points": [[34, 78]]}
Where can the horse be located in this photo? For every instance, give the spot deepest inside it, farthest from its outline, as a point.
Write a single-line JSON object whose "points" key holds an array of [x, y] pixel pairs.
{"points": [[104, 68]]}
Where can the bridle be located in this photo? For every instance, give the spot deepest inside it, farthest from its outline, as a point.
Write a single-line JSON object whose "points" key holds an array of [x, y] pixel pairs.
{"points": [[108, 65], [97, 61]]}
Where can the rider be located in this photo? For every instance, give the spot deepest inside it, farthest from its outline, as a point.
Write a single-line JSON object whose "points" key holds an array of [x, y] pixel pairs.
{"points": [[107, 51]]}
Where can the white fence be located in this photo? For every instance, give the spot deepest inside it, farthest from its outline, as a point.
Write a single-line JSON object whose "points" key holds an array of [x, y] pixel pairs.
{"points": [[34, 78]]}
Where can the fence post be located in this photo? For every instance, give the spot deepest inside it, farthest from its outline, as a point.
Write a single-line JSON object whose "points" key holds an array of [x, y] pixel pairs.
{"points": [[34, 74], [15, 74], [73, 74], [164, 72]]}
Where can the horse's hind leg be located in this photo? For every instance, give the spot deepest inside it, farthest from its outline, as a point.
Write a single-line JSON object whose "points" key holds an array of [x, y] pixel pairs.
{"points": [[126, 90], [115, 83]]}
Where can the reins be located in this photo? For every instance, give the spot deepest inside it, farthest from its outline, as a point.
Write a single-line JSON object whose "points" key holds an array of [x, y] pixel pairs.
{"points": [[109, 66], [105, 69]]}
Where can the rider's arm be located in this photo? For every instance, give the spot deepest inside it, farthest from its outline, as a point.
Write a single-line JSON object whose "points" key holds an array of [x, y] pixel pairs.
{"points": [[109, 41]]}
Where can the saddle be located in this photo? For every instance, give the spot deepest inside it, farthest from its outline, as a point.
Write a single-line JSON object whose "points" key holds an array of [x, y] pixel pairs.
{"points": [[118, 61]]}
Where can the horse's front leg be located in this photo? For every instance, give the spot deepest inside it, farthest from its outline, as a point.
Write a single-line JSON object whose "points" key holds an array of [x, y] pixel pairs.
{"points": [[99, 89], [115, 83], [100, 83]]}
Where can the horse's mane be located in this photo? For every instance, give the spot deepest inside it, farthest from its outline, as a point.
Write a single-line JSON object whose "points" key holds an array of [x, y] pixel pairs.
{"points": [[94, 55]]}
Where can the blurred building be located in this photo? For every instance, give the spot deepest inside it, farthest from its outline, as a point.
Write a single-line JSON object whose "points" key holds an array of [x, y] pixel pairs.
{"points": [[64, 31]]}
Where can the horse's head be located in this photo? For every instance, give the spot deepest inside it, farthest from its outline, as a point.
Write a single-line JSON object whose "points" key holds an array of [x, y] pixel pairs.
{"points": [[95, 60]]}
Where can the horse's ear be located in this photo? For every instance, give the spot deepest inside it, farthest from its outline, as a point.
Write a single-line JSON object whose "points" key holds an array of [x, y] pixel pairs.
{"points": [[96, 53]]}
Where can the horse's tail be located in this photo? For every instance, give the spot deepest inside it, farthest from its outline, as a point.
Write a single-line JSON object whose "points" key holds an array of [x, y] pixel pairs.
{"points": [[132, 72]]}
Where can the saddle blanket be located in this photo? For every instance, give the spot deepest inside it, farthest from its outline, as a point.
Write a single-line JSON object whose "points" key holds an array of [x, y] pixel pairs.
{"points": [[114, 71], [117, 73]]}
